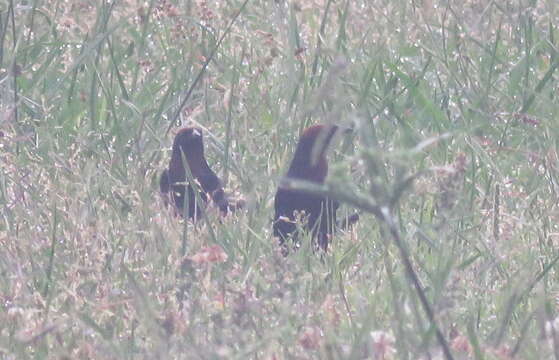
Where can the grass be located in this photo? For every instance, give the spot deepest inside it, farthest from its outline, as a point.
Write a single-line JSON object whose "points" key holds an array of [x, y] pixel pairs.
{"points": [[453, 165]]}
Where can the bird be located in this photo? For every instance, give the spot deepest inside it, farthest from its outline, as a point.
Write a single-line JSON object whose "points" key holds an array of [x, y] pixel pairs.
{"points": [[174, 183], [309, 163]]}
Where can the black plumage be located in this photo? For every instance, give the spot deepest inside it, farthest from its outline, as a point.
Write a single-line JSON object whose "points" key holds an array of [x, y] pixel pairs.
{"points": [[174, 183], [319, 212]]}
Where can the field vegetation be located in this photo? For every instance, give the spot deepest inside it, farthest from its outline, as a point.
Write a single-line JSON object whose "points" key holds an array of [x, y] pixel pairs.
{"points": [[453, 165]]}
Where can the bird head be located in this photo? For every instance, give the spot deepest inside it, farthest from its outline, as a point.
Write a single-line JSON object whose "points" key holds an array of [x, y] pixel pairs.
{"points": [[309, 161], [188, 141]]}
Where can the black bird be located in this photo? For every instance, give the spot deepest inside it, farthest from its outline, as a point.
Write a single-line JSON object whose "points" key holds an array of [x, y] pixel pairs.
{"points": [[174, 183], [309, 163]]}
